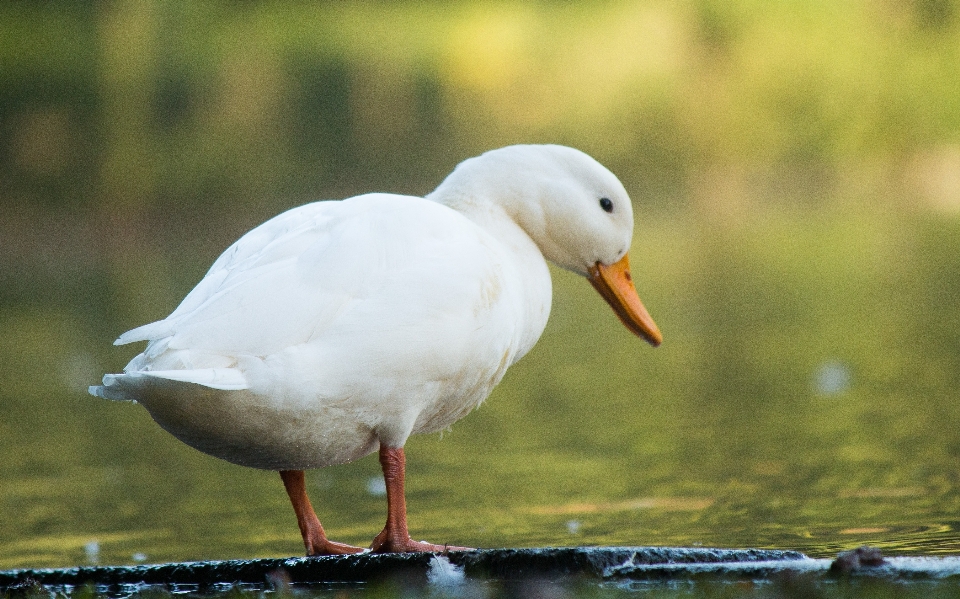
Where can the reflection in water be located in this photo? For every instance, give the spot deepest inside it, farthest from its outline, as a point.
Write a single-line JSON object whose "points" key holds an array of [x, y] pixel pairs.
{"points": [[801, 400], [645, 503]]}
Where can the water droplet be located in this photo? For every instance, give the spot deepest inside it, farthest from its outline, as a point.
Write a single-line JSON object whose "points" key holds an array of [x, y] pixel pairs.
{"points": [[376, 486], [832, 378], [92, 551], [443, 573]]}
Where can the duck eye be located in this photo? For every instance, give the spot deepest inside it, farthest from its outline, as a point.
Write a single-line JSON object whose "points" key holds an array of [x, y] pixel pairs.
{"points": [[606, 204]]}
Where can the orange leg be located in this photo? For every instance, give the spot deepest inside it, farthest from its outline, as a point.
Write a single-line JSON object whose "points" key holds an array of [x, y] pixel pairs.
{"points": [[395, 538], [314, 538]]}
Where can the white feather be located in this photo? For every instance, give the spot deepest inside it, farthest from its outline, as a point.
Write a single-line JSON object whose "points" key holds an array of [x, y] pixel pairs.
{"points": [[337, 326]]}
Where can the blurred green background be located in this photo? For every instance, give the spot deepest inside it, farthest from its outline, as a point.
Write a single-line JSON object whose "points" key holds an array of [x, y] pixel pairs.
{"points": [[795, 168]]}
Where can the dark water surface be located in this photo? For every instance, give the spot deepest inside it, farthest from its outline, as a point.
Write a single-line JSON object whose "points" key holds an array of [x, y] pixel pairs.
{"points": [[805, 397]]}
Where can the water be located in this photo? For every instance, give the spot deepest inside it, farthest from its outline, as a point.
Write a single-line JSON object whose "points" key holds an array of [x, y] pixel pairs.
{"points": [[804, 398]]}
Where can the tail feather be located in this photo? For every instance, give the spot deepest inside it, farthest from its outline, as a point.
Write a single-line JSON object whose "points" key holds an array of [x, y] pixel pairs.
{"points": [[147, 332], [227, 379], [110, 390], [123, 387]]}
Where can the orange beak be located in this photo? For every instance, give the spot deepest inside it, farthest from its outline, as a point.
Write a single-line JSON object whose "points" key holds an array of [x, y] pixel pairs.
{"points": [[616, 286]]}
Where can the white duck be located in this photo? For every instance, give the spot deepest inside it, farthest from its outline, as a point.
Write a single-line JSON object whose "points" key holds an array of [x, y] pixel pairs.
{"points": [[339, 328]]}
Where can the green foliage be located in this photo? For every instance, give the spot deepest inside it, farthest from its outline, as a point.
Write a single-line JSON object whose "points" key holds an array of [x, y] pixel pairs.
{"points": [[230, 104]]}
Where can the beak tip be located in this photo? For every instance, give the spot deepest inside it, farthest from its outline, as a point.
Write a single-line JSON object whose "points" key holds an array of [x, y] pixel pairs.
{"points": [[654, 338], [614, 284]]}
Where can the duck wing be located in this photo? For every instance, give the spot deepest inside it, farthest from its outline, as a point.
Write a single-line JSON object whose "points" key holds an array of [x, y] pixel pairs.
{"points": [[373, 271]]}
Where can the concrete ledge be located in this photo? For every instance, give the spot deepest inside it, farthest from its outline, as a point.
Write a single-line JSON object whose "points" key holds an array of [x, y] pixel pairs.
{"points": [[600, 562], [597, 563]]}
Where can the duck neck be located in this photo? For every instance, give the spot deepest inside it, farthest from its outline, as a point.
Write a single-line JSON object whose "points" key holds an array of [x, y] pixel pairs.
{"points": [[493, 217], [526, 257]]}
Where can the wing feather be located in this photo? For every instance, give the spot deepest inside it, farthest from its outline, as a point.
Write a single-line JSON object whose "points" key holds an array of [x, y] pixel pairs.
{"points": [[289, 280]]}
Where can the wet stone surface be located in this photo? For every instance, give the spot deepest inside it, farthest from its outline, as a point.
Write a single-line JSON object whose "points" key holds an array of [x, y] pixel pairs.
{"points": [[596, 563], [599, 562]]}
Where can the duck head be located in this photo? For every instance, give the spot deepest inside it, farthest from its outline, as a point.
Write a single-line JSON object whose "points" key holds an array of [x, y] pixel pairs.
{"points": [[575, 210]]}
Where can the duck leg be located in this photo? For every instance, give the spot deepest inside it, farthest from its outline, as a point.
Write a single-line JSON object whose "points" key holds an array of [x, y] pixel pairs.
{"points": [[314, 539], [395, 538]]}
